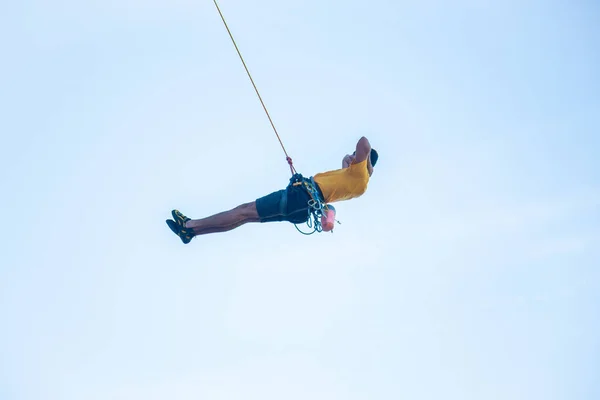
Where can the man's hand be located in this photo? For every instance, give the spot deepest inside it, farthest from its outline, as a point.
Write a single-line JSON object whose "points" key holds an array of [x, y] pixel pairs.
{"points": [[348, 160]]}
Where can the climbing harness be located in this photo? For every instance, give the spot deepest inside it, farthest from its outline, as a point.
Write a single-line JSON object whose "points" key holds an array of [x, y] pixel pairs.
{"points": [[321, 216], [318, 211]]}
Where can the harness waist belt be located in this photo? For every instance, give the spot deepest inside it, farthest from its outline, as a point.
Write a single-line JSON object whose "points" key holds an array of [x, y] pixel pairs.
{"points": [[298, 179]]}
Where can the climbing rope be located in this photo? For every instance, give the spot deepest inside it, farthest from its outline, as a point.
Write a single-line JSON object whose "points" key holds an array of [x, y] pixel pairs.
{"points": [[287, 157], [315, 206]]}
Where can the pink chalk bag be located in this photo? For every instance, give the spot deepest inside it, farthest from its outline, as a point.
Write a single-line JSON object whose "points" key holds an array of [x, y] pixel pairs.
{"points": [[328, 218]]}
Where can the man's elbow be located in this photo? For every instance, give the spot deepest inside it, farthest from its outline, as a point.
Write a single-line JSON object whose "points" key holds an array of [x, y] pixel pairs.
{"points": [[364, 144]]}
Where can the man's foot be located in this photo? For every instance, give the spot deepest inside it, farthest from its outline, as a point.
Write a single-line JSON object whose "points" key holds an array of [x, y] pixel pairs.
{"points": [[180, 218], [185, 235]]}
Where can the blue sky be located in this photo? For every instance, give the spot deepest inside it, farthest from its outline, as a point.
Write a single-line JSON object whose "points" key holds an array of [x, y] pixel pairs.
{"points": [[469, 270]]}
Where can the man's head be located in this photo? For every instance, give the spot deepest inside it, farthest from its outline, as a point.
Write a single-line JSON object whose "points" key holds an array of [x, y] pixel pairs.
{"points": [[373, 157], [372, 160]]}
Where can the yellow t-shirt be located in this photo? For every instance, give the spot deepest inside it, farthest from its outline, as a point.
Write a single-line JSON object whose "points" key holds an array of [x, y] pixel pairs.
{"points": [[345, 183]]}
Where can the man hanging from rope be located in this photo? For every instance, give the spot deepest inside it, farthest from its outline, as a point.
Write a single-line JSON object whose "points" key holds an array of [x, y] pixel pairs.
{"points": [[290, 204]]}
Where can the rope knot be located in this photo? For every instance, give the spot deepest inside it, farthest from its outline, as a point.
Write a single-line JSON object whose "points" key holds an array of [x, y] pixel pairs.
{"points": [[291, 164]]}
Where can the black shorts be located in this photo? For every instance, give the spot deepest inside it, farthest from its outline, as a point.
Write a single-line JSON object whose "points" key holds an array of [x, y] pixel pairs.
{"points": [[290, 204]]}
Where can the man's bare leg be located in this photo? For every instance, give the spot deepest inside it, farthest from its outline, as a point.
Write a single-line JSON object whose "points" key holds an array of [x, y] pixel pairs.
{"points": [[225, 221]]}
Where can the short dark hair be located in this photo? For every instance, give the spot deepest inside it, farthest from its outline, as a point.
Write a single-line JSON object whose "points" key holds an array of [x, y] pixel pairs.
{"points": [[374, 157]]}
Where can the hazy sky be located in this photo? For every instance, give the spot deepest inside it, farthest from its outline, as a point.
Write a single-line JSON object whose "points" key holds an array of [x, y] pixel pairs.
{"points": [[469, 270]]}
